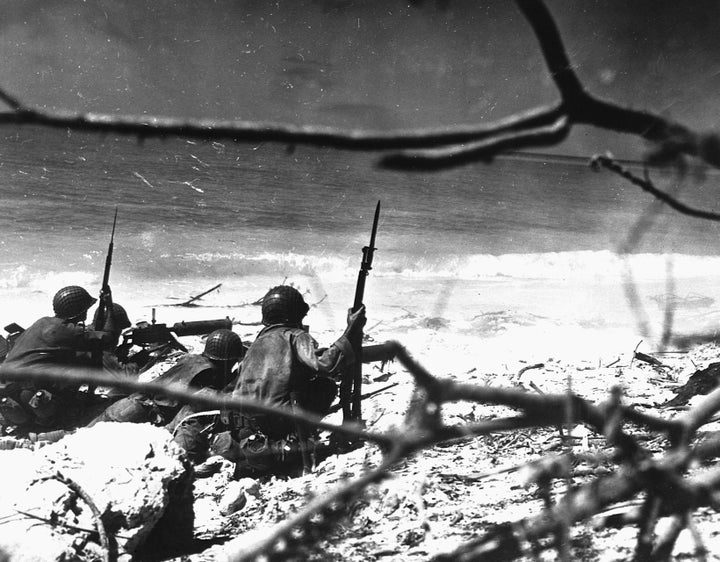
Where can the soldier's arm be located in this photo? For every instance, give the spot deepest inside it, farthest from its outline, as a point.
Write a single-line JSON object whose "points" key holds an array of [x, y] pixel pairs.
{"points": [[328, 361], [95, 340]]}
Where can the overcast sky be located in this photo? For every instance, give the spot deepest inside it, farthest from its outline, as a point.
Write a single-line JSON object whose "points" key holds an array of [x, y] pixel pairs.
{"points": [[364, 63]]}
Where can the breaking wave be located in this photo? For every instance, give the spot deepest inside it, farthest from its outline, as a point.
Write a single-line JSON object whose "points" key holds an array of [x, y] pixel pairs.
{"points": [[580, 266]]}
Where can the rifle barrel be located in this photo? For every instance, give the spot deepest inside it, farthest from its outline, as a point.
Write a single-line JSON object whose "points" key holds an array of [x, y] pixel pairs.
{"points": [[108, 258]]}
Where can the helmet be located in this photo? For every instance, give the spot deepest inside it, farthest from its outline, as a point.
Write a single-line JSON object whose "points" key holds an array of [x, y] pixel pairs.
{"points": [[283, 304], [119, 315], [223, 345], [70, 302]]}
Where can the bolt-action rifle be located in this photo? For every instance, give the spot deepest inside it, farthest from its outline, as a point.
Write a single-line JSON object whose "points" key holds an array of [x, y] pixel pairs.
{"points": [[351, 386], [105, 304], [105, 301]]}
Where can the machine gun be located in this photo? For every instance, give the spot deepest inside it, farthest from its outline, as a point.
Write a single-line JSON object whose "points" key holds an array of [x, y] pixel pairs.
{"points": [[157, 339]]}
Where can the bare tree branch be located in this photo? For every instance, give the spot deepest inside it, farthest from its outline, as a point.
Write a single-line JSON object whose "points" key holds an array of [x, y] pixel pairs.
{"points": [[463, 144], [646, 185]]}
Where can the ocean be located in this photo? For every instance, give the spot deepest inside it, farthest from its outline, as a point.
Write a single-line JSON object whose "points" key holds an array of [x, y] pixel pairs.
{"points": [[529, 241]]}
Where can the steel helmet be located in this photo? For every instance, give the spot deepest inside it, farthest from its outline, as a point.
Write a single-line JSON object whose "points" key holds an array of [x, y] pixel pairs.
{"points": [[223, 345], [70, 302], [283, 304], [119, 316]]}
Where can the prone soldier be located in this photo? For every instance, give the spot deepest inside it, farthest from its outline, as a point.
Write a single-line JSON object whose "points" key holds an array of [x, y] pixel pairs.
{"points": [[212, 370]]}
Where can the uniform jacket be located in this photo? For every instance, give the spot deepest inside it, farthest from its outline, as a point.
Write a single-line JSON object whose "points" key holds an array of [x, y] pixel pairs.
{"points": [[52, 340], [196, 371], [279, 365]]}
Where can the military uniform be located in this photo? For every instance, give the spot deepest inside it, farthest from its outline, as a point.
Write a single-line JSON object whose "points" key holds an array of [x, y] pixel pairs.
{"points": [[284, 367], [57, 344], [208, 372], [191, 371]]}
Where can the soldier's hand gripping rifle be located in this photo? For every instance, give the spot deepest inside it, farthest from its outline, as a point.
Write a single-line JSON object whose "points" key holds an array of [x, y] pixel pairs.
{"points": [[351, 386]]}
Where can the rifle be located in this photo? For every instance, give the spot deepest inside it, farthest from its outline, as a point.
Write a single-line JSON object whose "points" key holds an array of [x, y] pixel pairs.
{"points": [[105, 304], [351, 387]]}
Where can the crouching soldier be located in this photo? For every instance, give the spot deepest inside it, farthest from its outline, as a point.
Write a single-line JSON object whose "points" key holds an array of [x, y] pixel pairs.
{"points": [[55, 344], [111, 363], [284, 367], [210, 371]]}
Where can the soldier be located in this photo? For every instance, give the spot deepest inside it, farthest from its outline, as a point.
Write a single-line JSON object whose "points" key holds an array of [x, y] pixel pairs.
{"points": [[110, 361], [59, 341], [284, 367], [211, 370]]}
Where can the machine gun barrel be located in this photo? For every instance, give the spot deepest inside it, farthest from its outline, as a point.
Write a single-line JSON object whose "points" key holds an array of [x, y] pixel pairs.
{"points": [[199, 327], [149, 334]]}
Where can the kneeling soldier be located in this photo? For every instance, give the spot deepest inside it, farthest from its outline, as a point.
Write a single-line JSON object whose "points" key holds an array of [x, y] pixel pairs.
{"points": [[284, 367]]}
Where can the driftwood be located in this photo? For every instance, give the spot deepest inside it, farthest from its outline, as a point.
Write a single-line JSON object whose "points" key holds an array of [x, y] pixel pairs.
{"points": [[196, 297], [648, 359]]}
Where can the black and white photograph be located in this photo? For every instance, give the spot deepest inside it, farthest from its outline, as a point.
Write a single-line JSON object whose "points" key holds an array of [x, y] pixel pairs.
{"points": [[359, 280]]}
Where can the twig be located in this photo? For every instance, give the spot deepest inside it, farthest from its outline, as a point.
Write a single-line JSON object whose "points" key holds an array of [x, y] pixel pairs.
{"points": [[527, 368], [108, 551], [646, 185]]}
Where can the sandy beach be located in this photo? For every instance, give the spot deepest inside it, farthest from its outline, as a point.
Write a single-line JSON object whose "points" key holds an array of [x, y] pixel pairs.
{"points": [[444, 496], [560, 323], [538, 336]]}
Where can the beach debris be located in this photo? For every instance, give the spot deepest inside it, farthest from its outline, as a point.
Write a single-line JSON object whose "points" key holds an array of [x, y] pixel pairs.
{"points": [[528, 367], [700, 382], [201, 295], [649, 359]]}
